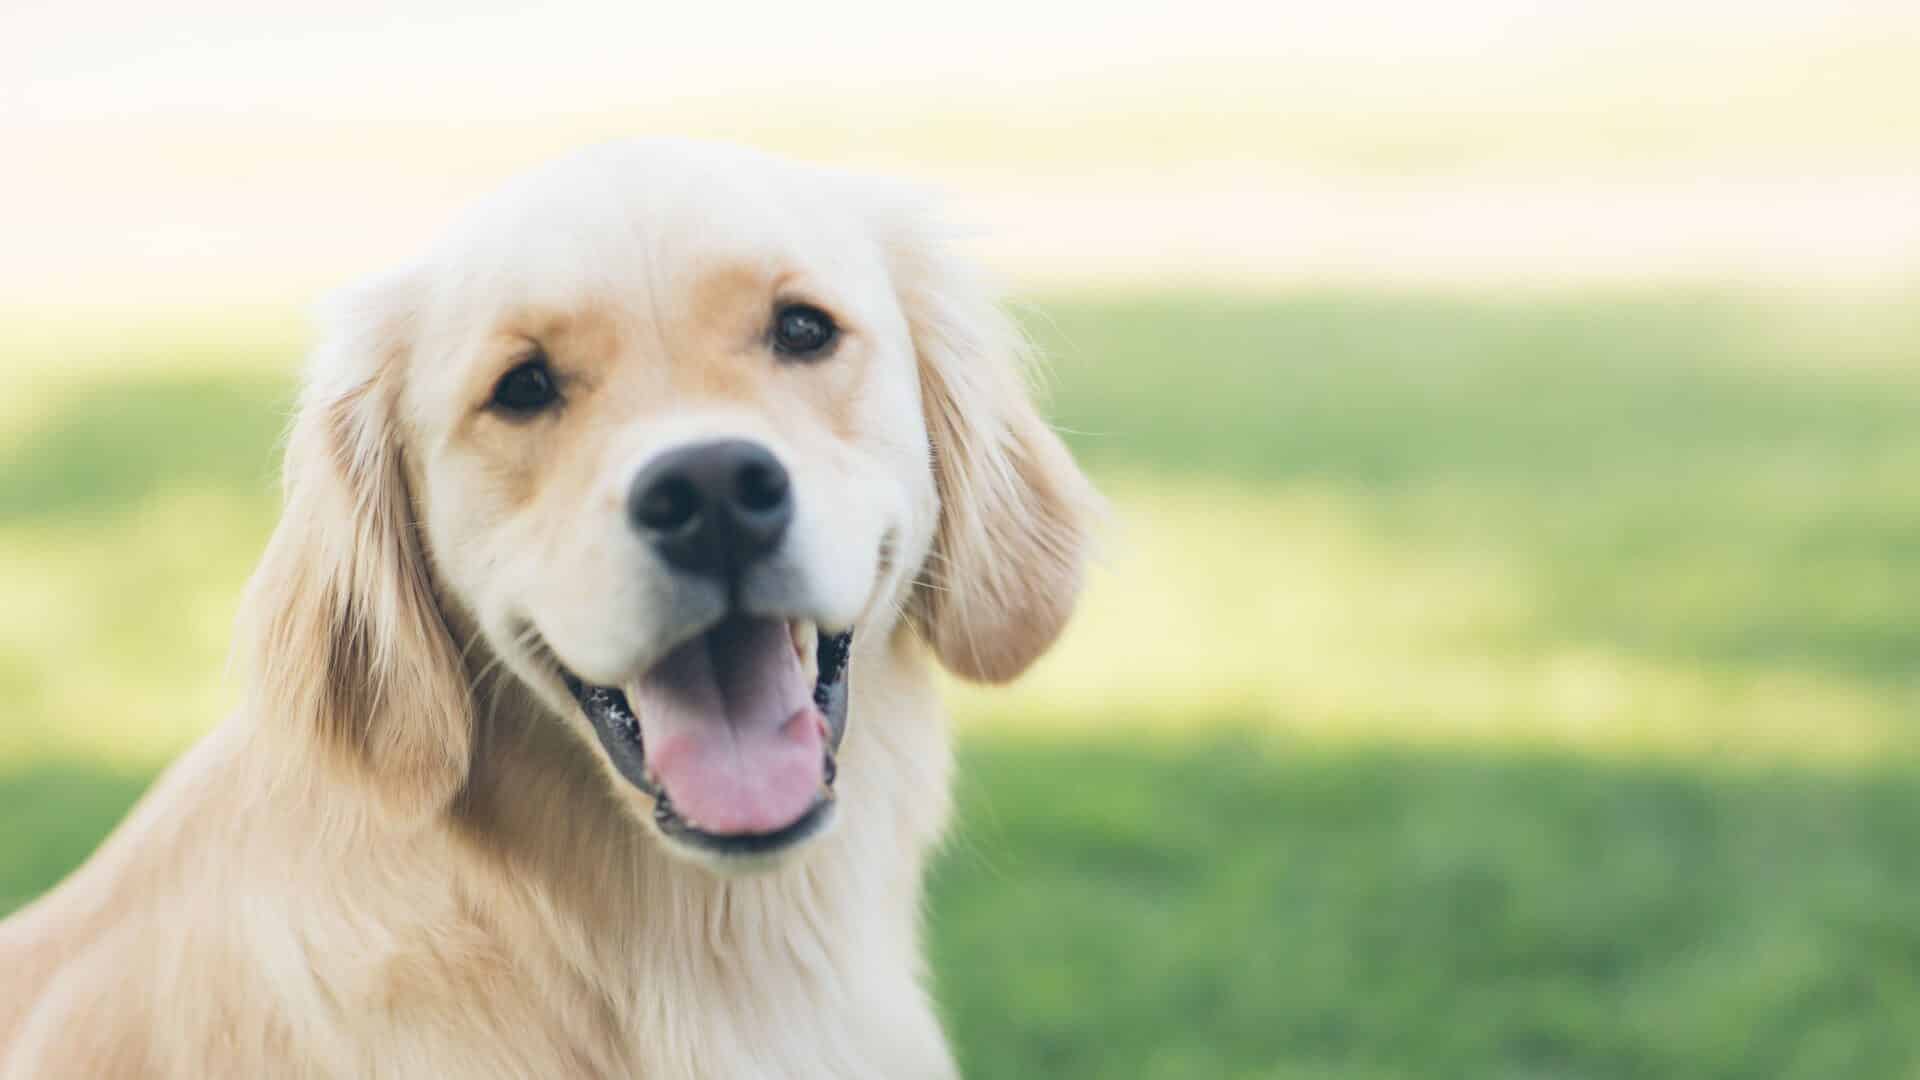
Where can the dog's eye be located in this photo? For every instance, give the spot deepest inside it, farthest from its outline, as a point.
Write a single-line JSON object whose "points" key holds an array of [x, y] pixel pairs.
{"points": [[526, 389], [802, 331]]}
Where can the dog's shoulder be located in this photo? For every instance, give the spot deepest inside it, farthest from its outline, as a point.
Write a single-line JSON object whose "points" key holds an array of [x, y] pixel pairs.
{"points": [[66, 1016]]}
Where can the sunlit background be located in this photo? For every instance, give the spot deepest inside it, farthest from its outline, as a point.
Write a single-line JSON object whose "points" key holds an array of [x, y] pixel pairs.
{"points": [[1505, 660]]}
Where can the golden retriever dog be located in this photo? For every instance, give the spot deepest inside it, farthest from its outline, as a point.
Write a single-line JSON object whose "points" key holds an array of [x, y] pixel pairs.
{"points": [[590, 724]]}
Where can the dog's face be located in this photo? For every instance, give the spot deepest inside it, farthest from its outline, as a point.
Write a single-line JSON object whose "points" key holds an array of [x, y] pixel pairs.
{"points": [[670, 444], [673, 428]]}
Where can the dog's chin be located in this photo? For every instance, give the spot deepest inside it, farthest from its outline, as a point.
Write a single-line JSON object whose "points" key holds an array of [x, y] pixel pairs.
{"points": [[727, 743]]}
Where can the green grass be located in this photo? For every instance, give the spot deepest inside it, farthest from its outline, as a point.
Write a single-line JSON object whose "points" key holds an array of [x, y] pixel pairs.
{"points": [[1474, 686], [1220, 906]]}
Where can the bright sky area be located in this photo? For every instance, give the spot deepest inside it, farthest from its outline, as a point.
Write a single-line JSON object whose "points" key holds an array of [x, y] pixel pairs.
{"points": [[201, 153]]}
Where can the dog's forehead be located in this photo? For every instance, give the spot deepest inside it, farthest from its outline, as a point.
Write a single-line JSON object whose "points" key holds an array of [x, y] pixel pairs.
{"points": [[649, 220]]}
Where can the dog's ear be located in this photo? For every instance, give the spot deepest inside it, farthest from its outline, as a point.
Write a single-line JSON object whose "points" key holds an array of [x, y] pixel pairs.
{"points": [[347, 646], [1010, 546]]}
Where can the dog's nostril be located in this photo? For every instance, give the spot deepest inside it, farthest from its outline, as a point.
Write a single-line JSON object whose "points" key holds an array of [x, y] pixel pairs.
{"points": [[668, 505], [761, 487], [713, 507]]}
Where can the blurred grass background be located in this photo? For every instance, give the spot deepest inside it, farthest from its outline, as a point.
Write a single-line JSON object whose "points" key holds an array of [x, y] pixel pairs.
{"points": [[1504, 660]]}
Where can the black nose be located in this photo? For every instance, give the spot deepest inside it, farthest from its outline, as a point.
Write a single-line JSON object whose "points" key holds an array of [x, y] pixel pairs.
{"points": [[712, 507]]}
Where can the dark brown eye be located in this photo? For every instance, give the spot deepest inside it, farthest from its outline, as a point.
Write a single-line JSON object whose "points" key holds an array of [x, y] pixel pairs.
{"points": [[802, 331], [526, 389]]}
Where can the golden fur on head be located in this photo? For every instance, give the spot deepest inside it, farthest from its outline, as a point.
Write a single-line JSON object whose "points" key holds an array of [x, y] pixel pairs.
{"points": [[410, 853], [1006, 563], [345, 642]]}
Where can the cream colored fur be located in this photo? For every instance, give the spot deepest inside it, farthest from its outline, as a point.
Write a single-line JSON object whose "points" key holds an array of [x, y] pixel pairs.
{"points": [[403, 857]]}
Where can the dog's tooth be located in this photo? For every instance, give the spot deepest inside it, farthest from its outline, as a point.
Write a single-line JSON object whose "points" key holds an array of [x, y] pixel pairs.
{"points": [[806, 646]]}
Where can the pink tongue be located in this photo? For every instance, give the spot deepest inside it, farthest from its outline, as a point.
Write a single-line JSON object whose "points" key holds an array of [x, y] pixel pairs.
{"points": [[731, 731]]}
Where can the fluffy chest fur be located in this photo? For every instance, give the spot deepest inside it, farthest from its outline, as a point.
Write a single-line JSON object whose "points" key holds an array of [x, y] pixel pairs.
{"points": [[534, 930]]}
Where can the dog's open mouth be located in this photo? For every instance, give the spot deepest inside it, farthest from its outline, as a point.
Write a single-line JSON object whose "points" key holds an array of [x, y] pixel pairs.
{"points": [[727, 735]]}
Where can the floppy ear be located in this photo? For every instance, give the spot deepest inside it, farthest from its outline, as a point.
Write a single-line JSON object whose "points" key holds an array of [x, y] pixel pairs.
{"points": [[1011, 543], [348, 647]]}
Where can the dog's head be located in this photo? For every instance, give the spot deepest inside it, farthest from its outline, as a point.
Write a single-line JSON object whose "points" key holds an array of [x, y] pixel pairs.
{"points": [[672, 428]]}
